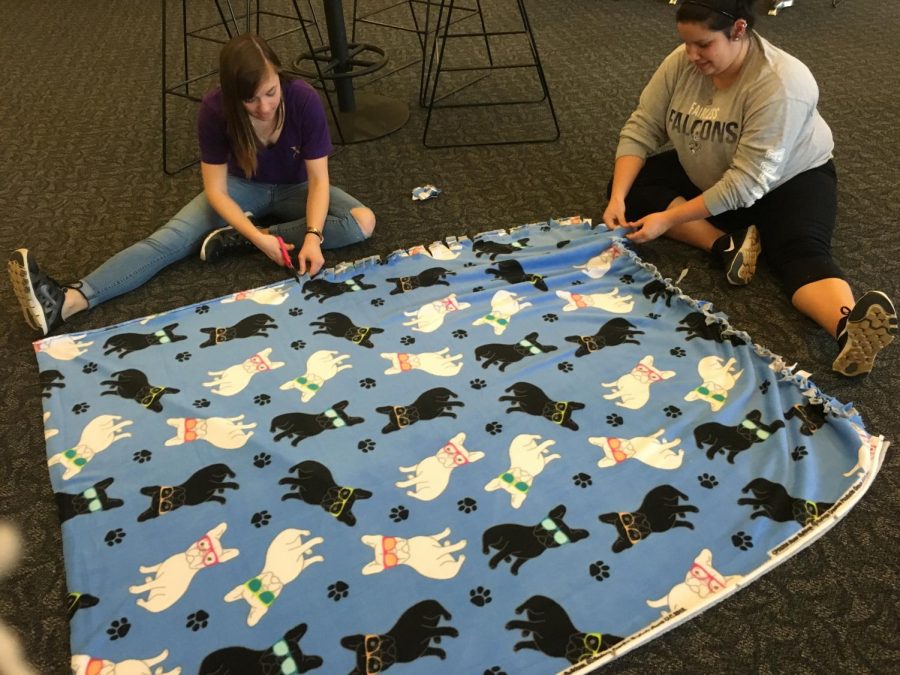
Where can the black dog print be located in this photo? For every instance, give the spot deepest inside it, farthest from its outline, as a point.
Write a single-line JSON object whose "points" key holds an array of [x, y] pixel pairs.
{"points": [[552, 632], [323, 290], [657, 289], [506, 354], [614, 332], [315, 485], [91, 500], [50, 380], [773, 501], [511, 271], [524, 542], [530, 399], [255, 325], [812, 417], [285, 657], [736, 439], [77, 601], [430, 404], [204, 485], [695, 325], [658, 512], [300, 426], [340, 326], [407, 640], [126, 343], [433, 276], [133, 385], [494, 248]]}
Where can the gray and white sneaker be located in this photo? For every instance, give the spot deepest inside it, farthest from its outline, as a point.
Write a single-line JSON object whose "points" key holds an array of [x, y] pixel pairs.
{"points": [[739, 252], [40, 296], [224, 241], [863, 332]]}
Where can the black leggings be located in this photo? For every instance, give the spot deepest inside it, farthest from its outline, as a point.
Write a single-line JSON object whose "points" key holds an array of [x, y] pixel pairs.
{"points": [[795, 220]]}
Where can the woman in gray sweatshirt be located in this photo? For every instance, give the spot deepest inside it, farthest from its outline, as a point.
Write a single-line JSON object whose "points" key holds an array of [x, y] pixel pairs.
{"points": [[751, 168]]}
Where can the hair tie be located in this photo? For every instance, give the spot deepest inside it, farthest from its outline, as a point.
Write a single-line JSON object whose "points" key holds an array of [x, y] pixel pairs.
{"points": [[708, 6]]}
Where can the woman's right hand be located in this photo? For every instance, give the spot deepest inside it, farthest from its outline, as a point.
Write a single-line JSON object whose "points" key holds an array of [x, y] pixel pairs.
{"points": [[614, 215], [270, 245]]}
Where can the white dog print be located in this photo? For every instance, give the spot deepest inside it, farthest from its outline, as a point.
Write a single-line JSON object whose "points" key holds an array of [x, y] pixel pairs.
{"points": [[865, 455], [82, 664], [320, 367], [428, 318], [174, 575], [261, 296], [526, 460], [650, 450], [439, 250], [701, 582], [63, 347], [97, 436], [599, 265], [285, 559], [503, 306], [718, 379], [633, 388], [226, 433], [430, 477], [608, 302], [427, 555], [48, 432], [235, 379], [433, 363]]}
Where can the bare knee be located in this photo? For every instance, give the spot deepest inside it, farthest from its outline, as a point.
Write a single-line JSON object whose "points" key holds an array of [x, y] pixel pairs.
{"points": [[365, 218]]}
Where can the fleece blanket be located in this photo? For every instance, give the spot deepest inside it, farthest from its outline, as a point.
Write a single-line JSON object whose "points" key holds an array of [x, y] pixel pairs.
{"points": [[519, 452]]}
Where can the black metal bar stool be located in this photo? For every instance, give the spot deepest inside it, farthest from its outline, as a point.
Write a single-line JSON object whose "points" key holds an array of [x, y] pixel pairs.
{"points": [[441, 100]]}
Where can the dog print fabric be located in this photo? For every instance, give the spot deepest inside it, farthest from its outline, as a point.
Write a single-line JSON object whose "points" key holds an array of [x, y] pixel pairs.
{"points": [[520, 452]]}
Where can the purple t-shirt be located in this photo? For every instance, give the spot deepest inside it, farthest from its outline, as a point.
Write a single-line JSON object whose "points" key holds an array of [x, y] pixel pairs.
{"points": [[304, 136]]}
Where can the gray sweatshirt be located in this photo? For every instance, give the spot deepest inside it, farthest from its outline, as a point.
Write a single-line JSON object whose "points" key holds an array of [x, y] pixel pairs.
{"points": [[738, 144]]}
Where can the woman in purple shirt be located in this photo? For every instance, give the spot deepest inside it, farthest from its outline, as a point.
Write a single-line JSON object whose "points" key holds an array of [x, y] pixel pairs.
{"points": [[264, 149]]}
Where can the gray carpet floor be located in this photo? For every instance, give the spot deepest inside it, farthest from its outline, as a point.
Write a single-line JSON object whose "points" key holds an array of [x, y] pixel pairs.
{"points": [[80, 178]]}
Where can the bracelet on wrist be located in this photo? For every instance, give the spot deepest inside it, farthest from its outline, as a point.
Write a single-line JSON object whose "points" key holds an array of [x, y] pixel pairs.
{"points": [[317, 232]]}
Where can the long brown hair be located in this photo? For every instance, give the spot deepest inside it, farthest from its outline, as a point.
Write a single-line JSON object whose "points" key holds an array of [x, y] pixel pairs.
{"points": [[243, 64]]}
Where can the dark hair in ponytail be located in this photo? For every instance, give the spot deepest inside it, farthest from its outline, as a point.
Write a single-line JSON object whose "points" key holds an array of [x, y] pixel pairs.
{"points": [[716, 14]]}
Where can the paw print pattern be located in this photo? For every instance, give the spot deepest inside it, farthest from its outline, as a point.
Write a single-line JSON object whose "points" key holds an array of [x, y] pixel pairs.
{"points": [[577, 282], [469, 264], [142, 456], [79, 408], [338, 591], [599, 570], [407, 340], [260, 519], [399, 513], [550, 318], [89, 368], [118, 629], [297, 345], [376, 302], [262, 460], [654, 316], [708, 481], [582, 480], [677, 352], [799, 453], [478, 289], [495, 670], [626, 279], [367, 383], [467, 505], [262, 399], [459, 334], [564, 367], [742, 540], [197, 621], [764, 387], [114, 537], [366, 445], [672, 411], [181, 357], [477, 383], [295, 311], [493, 428], [480, 596], [202, 309], [614, 420], [201, 403]]}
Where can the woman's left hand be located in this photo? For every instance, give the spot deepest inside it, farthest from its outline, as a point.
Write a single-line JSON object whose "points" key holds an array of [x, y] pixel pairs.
{"points": [[649, 227], [310, 258]]}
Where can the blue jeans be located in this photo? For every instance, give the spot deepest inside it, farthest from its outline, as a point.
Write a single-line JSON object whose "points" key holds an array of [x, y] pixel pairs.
{"points": [[183, 235]]}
